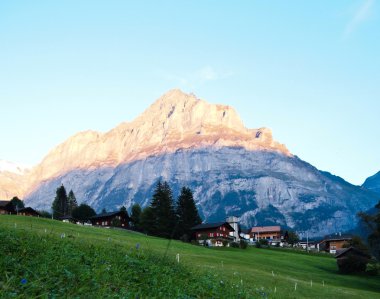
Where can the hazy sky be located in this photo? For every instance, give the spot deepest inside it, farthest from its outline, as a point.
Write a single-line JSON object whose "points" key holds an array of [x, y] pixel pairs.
{"points": [[309, 71]]}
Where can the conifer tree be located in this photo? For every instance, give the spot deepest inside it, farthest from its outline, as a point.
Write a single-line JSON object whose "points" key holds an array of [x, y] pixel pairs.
{"points": [[187, 214], [135, 216], [60, 204], [163, 211], [72, 202], [147, 221]]}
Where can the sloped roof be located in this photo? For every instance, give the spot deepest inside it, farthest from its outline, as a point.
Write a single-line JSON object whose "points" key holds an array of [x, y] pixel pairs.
{"points": [[109, 214], [27, 209], [4, 203], [265, 229], [344, 251], [336, 237], [211, 225]]}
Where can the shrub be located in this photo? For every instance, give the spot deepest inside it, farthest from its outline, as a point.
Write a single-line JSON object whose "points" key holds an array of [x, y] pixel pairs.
{"points": [[243, 244], [372, 268], [225, 243], [194, 242], [263, 242], [257, 244], [116, 222], [234, 245]]}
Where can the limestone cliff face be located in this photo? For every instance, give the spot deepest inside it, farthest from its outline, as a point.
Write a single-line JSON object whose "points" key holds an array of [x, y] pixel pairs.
{"points": [[175, 121], [261, 187]]}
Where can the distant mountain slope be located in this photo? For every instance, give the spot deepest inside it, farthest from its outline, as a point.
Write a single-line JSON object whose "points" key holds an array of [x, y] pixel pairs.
{"points": [[187, 141], [373, 183], [13, 179], [260, 186]]}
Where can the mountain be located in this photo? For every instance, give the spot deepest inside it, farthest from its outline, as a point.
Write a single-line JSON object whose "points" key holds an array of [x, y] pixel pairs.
{"points": [[12, 179], [373, 183], [6, 166], [187, 141]]}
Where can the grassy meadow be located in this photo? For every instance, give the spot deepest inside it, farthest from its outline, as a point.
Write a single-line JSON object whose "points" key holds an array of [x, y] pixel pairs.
{"points": [[42, 258]]}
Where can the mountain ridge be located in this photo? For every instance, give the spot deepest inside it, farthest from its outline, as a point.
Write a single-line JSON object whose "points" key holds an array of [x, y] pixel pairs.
{"points": [[175, 120], [189, 142]]}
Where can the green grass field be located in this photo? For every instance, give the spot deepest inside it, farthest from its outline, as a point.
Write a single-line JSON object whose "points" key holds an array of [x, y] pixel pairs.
{"points": [[101, 263]]}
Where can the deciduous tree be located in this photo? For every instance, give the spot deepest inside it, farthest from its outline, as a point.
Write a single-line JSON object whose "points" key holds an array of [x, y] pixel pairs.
{"points": [[83, 212]]}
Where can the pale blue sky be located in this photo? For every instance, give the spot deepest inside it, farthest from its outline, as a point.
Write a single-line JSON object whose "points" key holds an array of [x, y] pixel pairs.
{"points": [[309, 71]]}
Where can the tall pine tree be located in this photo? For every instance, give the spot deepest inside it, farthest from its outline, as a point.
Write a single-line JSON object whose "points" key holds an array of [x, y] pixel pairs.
{"points": [[147, 221], [60, 204], [135, 216], [187, 214], [163, 211], [72, 202]]}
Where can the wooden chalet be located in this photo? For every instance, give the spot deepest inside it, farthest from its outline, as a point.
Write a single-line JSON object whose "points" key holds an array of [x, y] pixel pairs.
{"points": [[332, 243], [343, 257], [213, 233], [28, 211], [270, 233], [115, 219], [6, 207]]}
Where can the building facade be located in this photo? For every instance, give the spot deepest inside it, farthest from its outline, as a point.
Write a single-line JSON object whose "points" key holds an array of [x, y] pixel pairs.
{"points": [[270, 233], [214, 234], [115, 219], [332, 243]]}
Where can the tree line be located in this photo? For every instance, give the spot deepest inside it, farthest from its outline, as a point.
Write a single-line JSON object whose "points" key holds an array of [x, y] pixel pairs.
{"points": [[163, 217], [65, 205]]}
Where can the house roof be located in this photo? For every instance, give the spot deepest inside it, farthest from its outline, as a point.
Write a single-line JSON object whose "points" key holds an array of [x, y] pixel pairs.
{"points": [[4, 203], [265, 229], [28, 209], [343, 252], [335, 237], [211, 225], [245, 230], [104, 215]]}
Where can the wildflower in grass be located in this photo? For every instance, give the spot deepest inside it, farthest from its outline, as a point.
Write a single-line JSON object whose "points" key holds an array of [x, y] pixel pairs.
{"points": [[24, 281]]}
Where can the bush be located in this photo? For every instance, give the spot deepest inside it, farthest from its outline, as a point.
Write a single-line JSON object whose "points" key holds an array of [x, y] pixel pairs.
{"points": [[258, 245], [194, 242], [234, 244], [225, 243], [243, 244], [372, 268], [352, 264], [263, 242]]}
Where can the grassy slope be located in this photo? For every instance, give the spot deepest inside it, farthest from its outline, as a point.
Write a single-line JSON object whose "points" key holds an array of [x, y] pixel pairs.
{"points": [[249, 269]]}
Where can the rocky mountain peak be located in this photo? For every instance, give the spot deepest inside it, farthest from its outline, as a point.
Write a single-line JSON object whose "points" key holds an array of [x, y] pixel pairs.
{"points": [[178, 111], [175, 121]]}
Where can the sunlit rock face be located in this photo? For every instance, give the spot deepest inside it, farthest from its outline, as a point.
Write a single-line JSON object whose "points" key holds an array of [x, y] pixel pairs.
{"points": [[373, 183], [176, 120], [189, 142], [13, 179]]}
